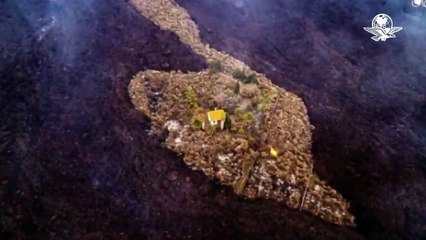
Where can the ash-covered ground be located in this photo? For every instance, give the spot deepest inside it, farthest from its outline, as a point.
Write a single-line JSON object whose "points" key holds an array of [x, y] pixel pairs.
{"points": [[366, 99], [76, 161]]}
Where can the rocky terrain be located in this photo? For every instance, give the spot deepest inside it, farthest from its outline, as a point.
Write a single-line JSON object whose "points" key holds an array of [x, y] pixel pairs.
{"points": [[77, 162], [259, 116]]}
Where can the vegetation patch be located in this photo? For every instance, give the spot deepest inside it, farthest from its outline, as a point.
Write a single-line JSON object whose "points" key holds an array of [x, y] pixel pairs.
{"points": [[255, 138], [216, 67], [241, 76]]}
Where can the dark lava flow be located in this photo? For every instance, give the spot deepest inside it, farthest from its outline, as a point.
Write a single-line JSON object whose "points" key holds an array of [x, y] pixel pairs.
{"points": [[367, 100], [75, 159]]}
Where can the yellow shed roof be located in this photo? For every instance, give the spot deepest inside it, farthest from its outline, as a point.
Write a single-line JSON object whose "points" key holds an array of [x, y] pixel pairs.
{"points": [[217, 115]]}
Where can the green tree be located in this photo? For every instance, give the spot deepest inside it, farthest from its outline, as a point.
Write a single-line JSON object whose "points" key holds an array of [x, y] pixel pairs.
{"points": [[228, 122], [239, 75], [191, 97], [252, 79]]}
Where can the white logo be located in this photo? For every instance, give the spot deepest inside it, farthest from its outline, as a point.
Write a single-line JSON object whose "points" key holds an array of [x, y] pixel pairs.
{"points": [[382, 28], [417, 3]]}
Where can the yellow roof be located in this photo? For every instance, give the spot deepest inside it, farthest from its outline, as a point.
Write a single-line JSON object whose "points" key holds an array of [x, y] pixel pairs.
{"points": [[217, 115]]}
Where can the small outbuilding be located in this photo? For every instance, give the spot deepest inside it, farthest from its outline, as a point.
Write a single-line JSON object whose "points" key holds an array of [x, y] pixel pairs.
{"points": [[216, 118]]}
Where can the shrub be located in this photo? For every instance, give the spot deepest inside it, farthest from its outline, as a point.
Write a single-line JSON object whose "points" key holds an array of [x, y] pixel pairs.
{"points": [[237, 88], [241, 76], [196, 123], [216, 67], [191, 97], [263, 103], [252, 79], [238, 74], [248, 117], [228, 122], [261, 107]]}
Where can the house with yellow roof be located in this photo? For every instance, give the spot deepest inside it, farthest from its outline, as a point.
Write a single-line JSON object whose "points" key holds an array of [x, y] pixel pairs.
{"points": [[215, 118]]}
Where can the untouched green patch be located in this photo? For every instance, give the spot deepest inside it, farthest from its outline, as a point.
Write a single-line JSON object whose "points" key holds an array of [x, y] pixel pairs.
{"points": [[241, 76]]}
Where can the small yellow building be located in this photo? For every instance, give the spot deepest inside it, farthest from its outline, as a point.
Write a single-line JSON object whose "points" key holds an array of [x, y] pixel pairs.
{"points": [[216, 117]]}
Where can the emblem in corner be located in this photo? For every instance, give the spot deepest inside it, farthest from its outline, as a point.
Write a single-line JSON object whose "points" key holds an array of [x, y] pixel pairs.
{"points": [[382, 28]]}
